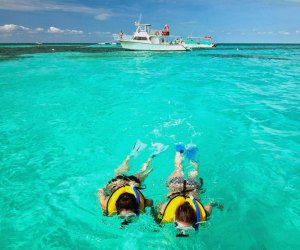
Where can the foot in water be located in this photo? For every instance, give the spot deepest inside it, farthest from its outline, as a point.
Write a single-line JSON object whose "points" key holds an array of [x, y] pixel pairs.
{"points": [[123, 169], [137, 148], [193, 174], [179, 147], [191, 151], [195, 164], [147, 164]]}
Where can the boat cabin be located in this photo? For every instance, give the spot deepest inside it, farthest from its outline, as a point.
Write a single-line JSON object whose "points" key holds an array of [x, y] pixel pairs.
{"points": [[143, 33]]}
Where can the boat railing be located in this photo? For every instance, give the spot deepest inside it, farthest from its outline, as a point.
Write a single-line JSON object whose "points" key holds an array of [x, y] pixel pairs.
{"points": [[124, 37], [116, 37], [199, 37]]}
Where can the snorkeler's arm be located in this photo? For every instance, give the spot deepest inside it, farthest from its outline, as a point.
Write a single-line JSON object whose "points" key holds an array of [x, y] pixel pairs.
{"points": [[163, 207], [102, 199], [208, 207], [155, 213], [148, 202]]}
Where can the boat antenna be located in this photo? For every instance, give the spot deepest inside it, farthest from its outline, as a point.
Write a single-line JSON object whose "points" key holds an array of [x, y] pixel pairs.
{"points": [[140, 18]]}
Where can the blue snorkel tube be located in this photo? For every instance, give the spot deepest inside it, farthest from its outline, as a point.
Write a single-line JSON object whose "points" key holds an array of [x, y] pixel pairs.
{"points": [[197, 213], [137, 195]]}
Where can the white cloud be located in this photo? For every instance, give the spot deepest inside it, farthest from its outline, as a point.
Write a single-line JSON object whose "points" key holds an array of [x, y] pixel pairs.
{"points": [[286, 33], [55, 30], [103, 16], [264, 32], [61, 31], [46, 5], [13, 28], [297, 31], [74, 31], [100, 33], [39, 29]]}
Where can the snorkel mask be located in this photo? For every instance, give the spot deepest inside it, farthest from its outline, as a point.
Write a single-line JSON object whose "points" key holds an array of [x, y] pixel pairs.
{"points": [[183, 229], [180, 226], [129, 217]]}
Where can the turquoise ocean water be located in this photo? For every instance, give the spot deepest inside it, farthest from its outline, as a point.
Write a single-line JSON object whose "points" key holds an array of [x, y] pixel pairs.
{"points": [[70, 114]]}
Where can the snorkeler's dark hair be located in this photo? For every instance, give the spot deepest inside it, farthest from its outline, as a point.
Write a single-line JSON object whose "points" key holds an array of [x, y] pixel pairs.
{"points": [[186, 213], [127, 201]]}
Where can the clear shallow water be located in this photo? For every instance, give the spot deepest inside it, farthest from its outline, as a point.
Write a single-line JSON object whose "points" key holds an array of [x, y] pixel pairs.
{"points": [[68, 119]]}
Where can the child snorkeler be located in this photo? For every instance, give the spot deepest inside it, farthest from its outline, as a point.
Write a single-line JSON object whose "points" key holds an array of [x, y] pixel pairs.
{"points": [[183, 207], [122, 195]]}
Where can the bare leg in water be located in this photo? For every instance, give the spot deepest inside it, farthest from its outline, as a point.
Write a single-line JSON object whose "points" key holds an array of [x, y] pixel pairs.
{"points": [[123, 168], [144, 172], [178, 172], [141, 175]]}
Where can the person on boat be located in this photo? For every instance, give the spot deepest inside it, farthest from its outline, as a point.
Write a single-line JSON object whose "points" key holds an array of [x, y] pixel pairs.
{"points": [[183, 206], [166, 30], [121, 35]]}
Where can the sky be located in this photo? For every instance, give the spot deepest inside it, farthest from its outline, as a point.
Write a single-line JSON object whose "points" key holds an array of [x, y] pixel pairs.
{"points": [[93, 21]]}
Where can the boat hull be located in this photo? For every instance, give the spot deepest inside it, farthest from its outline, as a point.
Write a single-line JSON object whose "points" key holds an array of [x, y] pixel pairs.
{"points": [[131, 45], [199, 46]]}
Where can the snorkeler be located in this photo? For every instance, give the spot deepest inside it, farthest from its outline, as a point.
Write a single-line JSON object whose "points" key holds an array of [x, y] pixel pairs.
{"points": [[183, 206], [122, 195]]}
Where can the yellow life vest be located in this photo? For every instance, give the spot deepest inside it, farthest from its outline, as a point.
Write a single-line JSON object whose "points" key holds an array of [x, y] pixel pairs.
{"points": [[173, 204], [111, 204]]}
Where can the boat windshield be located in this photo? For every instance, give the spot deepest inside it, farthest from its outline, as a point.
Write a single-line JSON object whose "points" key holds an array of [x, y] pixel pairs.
{"points": [[140, 38]]}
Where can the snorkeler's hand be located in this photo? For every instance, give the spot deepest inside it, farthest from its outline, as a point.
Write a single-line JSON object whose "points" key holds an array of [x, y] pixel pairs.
{"points": [[220, 206], [217, 205], [158, 206], [101, 192], [102, 199], [149, 203]]}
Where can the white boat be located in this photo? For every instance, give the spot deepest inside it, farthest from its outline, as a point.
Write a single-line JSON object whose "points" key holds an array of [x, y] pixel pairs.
{"points": [[199, 42], [146, 39]]}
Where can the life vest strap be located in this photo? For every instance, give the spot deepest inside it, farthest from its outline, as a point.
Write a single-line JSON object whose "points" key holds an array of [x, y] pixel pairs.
{"points": [[184, 188], [137, 198], [197, 213]]}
